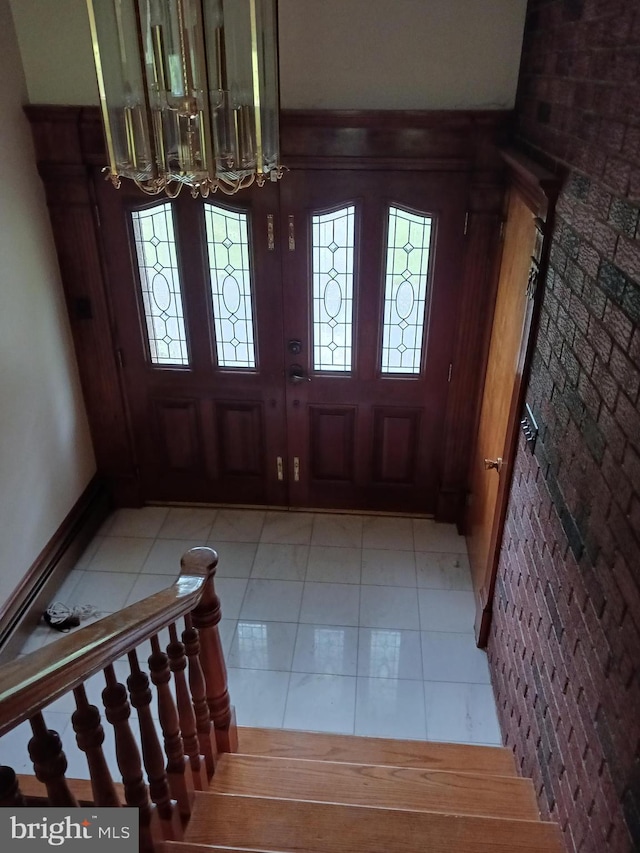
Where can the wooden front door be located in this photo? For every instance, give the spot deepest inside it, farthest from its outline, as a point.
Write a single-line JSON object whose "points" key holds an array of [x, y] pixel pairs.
{"points": [[289, 345], [491, 471], [198, 323], [371, 283]]}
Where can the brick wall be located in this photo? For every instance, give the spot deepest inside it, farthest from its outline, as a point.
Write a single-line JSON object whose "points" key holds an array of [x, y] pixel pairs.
{"points": [[565, 641]]}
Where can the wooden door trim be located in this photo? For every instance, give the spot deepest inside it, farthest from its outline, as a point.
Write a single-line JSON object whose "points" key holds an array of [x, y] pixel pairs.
{"points": [[539, 189], [70, 150]]}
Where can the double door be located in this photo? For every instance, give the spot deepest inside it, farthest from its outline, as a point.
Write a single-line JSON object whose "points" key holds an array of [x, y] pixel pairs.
{"points": [[290, 345]]}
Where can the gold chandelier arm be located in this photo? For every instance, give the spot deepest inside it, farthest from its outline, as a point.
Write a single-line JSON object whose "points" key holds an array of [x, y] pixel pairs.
{"points": [[147, 188]]}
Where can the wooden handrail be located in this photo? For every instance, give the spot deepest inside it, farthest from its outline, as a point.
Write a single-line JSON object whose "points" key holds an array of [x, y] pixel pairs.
{"points": [[29, 684]]}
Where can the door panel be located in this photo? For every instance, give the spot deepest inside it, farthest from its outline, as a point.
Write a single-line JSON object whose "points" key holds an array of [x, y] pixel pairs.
{"points": [[364, 439], [202, 432], [508, 339]]}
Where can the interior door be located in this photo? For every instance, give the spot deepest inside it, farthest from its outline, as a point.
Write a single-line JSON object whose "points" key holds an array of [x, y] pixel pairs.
{"points": [[371, 271], [196, 298], [491, 475]]}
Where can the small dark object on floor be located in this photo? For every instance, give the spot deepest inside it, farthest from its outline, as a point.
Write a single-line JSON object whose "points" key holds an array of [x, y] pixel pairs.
{"points": [[64, 625]]}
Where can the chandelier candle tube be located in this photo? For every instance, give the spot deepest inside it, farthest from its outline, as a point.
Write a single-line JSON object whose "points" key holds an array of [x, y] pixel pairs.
{"points": [[189, 92]]}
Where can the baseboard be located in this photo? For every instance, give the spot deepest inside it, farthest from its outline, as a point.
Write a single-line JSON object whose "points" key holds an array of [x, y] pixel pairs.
{"points": [[22, 611]]}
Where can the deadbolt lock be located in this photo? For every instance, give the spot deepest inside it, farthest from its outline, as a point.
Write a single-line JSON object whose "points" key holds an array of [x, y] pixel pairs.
{"points": [[493, 463]]}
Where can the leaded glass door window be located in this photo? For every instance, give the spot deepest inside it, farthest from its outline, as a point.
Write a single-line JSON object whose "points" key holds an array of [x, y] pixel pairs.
{"points": [[231, 286], [333, 243], [406, 281], [160, 287]]}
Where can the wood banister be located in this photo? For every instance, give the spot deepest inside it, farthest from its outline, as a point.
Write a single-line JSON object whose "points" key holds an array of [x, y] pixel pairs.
{"points": [[186, 713], [50, 762], [90, 737], [118, 712], [10, 793], [198, 688], [29, 684], [180, 783], [206, 617]]}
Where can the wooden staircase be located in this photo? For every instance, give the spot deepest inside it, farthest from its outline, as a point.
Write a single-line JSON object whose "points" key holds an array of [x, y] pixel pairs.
{"points": [[205, 785], [291, 791]]}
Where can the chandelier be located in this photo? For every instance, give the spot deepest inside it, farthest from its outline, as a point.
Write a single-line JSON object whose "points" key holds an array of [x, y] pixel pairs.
{"points": [[189, 92]]}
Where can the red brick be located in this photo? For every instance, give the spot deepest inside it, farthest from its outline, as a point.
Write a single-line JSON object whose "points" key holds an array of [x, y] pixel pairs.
{"points": [[589, 259], [617, 174], [618, 325], [628, 417], [631, 146], [634, 348], [625, 373], [604, 239], [634, 184], [628, 257], [600, 340]]}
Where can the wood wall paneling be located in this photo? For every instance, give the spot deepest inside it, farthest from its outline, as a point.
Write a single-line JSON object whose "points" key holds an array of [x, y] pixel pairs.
{"points": [[76, 234], [69, 144]]}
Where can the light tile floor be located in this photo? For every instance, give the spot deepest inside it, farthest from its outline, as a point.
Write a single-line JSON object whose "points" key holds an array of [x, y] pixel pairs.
{"points": [[336, 623]]}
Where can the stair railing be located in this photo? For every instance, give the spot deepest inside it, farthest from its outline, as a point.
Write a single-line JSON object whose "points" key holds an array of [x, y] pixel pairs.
{"points": [[196, 720]]}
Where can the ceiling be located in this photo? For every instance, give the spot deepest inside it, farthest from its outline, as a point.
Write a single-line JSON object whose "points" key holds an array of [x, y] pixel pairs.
{"points": [[334, 54]]}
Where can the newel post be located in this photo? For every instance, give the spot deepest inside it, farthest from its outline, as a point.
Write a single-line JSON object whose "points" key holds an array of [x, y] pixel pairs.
{"points": [[206, 617]]}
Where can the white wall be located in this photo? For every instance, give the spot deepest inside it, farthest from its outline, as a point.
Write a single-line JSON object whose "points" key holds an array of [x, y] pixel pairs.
{"points": [[400, 54], [46, 458], [334, 54]]}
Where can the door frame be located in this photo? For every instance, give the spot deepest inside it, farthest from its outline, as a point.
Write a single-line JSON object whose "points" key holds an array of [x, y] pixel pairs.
{"points": [[70, 154], [538, 188]]}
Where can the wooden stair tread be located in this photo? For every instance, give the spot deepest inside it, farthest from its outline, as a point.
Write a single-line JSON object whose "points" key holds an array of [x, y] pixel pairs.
{"points": [[281, 743], [383, 786], [80, 788], [187, 847], [311, 827]]}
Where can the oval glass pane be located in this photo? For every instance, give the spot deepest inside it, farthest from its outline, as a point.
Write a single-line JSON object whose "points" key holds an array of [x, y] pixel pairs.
{"points": [[333, 236], [406, 282], [159, 279], [231, 287]]}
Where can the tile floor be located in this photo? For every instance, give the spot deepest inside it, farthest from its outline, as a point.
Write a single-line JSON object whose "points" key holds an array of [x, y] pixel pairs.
{"points": [[336, 623]]}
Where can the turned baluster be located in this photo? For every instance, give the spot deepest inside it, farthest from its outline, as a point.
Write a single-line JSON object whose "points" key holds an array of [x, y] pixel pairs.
{"points": [[198, 691], [117, 711], [10, 793], [138, 683], [50, 762], [206, 617], [180, 783], [90, 737], [188, 728]]}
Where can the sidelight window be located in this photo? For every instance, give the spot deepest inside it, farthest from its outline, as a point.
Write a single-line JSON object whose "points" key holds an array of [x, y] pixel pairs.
{"points": [[160, 285], [333, 236], [230, 272], [406, 282]]}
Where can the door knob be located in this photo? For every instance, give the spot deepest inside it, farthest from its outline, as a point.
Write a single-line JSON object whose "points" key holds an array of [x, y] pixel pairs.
{"points": [[294, 346], [297, 374], [493, 463]]}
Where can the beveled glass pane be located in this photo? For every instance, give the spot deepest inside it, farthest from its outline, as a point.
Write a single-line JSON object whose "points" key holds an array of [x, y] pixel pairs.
{"points": [[229, 268], [120, 80], [160, 284], [332, 253], [408, 246]]}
